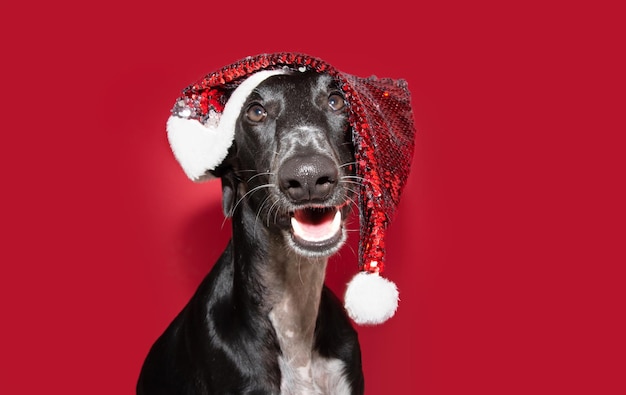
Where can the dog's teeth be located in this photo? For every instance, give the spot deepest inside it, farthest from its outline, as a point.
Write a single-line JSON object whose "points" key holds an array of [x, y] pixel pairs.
{"points": [[316, 232], [336, 225], [295, 225]]}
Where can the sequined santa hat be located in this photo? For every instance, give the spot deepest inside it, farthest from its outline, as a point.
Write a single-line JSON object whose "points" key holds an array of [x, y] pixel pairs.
{"points": [[201, 131]]}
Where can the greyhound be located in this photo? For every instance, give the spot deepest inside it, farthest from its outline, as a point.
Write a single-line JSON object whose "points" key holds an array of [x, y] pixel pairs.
{"points": [[263, 321]]}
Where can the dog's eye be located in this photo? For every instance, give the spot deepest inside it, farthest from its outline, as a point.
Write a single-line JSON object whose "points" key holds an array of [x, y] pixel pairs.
{"points": [[336, 102], [256, 113]]}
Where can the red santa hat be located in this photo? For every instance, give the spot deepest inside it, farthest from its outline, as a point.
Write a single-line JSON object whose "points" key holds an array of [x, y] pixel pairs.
{"points": [[201, 131]]}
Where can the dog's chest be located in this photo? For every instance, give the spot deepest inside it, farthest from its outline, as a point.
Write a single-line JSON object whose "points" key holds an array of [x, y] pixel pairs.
{"points": [[318, 376], [303, 370]]}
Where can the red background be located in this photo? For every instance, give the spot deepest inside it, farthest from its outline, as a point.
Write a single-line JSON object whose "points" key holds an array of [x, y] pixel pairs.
{"points": [[508, 247]]}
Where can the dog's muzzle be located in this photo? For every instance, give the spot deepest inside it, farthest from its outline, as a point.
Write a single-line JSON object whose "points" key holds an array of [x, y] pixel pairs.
{"points": [[310, 184]]}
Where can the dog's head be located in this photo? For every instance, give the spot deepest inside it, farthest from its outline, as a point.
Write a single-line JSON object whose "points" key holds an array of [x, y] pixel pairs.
{"points": [[272, 127], [292, 161]]}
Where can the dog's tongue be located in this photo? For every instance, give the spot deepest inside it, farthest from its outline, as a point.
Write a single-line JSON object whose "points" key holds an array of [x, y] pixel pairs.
{"points": [[316, 224]]}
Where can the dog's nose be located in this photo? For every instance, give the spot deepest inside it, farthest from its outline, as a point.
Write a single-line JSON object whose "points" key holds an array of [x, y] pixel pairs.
{"points": [[308, 178]]}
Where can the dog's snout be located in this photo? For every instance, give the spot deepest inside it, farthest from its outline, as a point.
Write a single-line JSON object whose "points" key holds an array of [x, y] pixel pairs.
{"points": [[308, 178]]}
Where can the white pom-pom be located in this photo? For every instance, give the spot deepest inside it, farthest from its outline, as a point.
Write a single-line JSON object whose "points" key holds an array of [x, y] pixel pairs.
{"points": [[370, 299]]}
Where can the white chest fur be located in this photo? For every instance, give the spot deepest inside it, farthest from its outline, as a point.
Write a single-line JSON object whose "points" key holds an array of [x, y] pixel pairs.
{"points": [[320, 376], [303, 371]]}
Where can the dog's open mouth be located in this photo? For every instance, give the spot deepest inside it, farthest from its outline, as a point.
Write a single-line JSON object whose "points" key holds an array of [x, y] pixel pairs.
{"points": [[316, 224], [316, 228]]}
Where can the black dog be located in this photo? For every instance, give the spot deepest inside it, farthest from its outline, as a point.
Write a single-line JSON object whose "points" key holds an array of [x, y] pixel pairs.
{"points": [[262, 321]]}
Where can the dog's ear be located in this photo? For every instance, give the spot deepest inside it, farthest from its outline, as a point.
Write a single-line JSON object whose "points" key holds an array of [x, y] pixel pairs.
{"points": [[229, 194], [230, 181]]}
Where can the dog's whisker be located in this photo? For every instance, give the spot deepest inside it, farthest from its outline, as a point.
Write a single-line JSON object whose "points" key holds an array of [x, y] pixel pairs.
{"points": [[224, 222], [359, 186], [265, 173], [353, 191], [353, 201], [352, 180], [347, 164], [352, 183], [353, 250], [354, 176], [260, 210], [277, 212], [276, 206], [268, 213], [255, 189], [360, 179]]}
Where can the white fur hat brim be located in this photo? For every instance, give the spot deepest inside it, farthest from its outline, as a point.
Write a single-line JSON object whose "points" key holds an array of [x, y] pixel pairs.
{"points": [[201, 147]]}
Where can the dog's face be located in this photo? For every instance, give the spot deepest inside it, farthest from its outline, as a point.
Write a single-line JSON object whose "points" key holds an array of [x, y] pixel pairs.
{"points": [[293, 161]]}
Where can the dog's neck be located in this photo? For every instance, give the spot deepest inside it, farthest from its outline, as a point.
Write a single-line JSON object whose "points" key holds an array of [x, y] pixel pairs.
{"points": [[289, 285], [296, 299]]}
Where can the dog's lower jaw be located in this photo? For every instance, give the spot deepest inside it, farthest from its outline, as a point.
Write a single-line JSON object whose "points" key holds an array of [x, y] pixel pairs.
{"points": [[317, 238], [315, 250]]}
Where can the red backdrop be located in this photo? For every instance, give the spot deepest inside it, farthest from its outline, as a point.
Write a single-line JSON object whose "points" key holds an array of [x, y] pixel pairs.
{"points": [[508, 245]]}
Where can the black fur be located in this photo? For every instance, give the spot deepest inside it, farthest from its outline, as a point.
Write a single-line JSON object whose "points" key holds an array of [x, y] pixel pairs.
{"points": [[295, 157]]}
